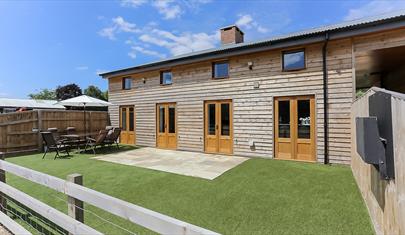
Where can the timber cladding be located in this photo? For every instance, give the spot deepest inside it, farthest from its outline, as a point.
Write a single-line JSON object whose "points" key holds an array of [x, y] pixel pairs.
{"points": [[252, 92], [252, 107]]}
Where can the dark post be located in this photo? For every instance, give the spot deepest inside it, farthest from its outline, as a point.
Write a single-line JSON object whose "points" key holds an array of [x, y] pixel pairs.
{"points": [[3, 200]]}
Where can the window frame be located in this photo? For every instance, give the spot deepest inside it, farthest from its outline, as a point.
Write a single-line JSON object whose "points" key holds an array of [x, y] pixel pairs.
{"points": [[123, 83], [161, 77], [213, 69], [292, 52]]}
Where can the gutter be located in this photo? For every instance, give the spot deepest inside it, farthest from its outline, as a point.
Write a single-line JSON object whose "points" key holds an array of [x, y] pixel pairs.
{"points": [[325, 99]]}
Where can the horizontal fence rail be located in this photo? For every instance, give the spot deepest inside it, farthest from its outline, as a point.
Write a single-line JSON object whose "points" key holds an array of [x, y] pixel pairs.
{"points": [[149, 219], [12, 226], [53, 215]]}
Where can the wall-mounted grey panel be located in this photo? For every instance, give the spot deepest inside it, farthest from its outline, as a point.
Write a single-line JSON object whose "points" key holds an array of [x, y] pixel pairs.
{"points": [[368, 142], [380, 107]]}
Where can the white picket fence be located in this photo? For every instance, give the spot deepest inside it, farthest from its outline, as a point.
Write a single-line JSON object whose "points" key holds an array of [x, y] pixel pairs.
{"points": [[78, 194]]}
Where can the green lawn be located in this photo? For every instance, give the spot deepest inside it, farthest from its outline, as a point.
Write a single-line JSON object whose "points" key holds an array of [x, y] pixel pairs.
{"points": [[257, 197]]}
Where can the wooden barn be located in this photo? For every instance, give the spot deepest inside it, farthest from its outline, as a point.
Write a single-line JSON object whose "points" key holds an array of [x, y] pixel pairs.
{"points": [[287, 97]]}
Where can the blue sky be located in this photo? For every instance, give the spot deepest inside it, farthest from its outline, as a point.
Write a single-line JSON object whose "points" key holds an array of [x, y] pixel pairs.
{"points": [[48, 43]]}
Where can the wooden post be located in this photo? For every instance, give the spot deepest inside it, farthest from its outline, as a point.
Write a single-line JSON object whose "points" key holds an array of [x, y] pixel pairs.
{"points": [[3, 200], [90, 120], [75, 206], [39, 127]]}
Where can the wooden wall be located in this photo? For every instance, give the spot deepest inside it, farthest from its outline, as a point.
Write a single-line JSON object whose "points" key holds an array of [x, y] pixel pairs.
{"points": [[16, 129], [253, 108], [384, 199]]}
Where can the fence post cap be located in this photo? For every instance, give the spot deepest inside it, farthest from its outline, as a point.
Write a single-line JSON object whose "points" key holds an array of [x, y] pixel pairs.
{"points": [[74, 175]]}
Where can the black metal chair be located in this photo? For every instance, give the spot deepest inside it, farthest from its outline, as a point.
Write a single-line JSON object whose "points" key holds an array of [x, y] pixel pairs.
{"points": [[112, 138], [70, 130], [51, 144], [98, 141], [55, 133]]}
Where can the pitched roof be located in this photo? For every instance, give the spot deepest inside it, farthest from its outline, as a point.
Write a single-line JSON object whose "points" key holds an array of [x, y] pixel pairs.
{"points": [[29, 103], [398, 16]]}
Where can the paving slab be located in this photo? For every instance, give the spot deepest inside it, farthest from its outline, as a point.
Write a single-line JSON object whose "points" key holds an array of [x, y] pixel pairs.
{"points": [[202, 165]]}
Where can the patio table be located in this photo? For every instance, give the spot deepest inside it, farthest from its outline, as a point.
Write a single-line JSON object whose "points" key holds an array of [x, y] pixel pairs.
{"points": [[73, 140]]}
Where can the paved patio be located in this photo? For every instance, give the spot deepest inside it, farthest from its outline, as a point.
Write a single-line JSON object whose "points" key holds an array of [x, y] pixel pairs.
{"points": [[202, 165]]}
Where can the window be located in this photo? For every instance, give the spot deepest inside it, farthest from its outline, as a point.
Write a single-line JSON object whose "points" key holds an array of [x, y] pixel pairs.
{"points": [[304, 119], [172, 119], [293, 60], [126, 83], [225, 123], [284, 119], [166, 78], [211, 119], [220, 70]]}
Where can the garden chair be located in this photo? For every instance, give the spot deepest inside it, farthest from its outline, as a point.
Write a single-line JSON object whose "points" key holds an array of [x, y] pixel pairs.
{"points": [[112, 137], [54, 132], [98, 141], [51, 144], [70, 130]]}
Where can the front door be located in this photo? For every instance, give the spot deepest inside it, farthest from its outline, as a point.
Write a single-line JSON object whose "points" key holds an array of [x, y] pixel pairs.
{"points": [[166, 126], [295, 128], [127, 124], [218, 127]]}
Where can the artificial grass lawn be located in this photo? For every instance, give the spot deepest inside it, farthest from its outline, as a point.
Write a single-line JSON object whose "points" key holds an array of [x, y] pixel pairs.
{"points": [[257, 197]]}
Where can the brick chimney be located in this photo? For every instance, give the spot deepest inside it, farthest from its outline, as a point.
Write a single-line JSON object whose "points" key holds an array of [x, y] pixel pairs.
{"points": [[231, 34]]}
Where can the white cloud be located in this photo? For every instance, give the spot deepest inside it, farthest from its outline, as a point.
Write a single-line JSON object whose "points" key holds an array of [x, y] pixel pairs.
{"points": [[108, 32], [168, 8], [244, 20], [82, 67], [135, 49], [133, 3], [180, 44], [99, 71], [247, 21], [118, 25], [375, 7]]}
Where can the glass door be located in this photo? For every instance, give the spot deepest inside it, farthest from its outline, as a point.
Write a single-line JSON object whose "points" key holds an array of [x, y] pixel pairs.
{"points": [[225, 127], [218, 127], [166, 126], [294, 136], [283, 121], [305, 139], [171, 126], [127, 124], [211, 127]]}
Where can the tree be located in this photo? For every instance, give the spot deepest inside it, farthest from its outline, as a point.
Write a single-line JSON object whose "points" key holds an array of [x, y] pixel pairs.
{"points": [[44, 94], [95, 92], [68, 91]]}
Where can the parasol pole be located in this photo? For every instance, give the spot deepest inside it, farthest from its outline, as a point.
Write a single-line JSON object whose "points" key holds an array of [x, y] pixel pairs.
{"points": [[85, 126]]}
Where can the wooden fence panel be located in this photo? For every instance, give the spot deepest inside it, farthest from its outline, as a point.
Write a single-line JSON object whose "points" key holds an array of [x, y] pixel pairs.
{"points": [[384, 199], [17, 129]]}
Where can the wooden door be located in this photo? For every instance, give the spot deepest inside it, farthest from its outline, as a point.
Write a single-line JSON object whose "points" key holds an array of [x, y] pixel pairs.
{"points": [[294, 135], [305, 128], [127, 124], [284, 139], [218, 127], [166, 126]]}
